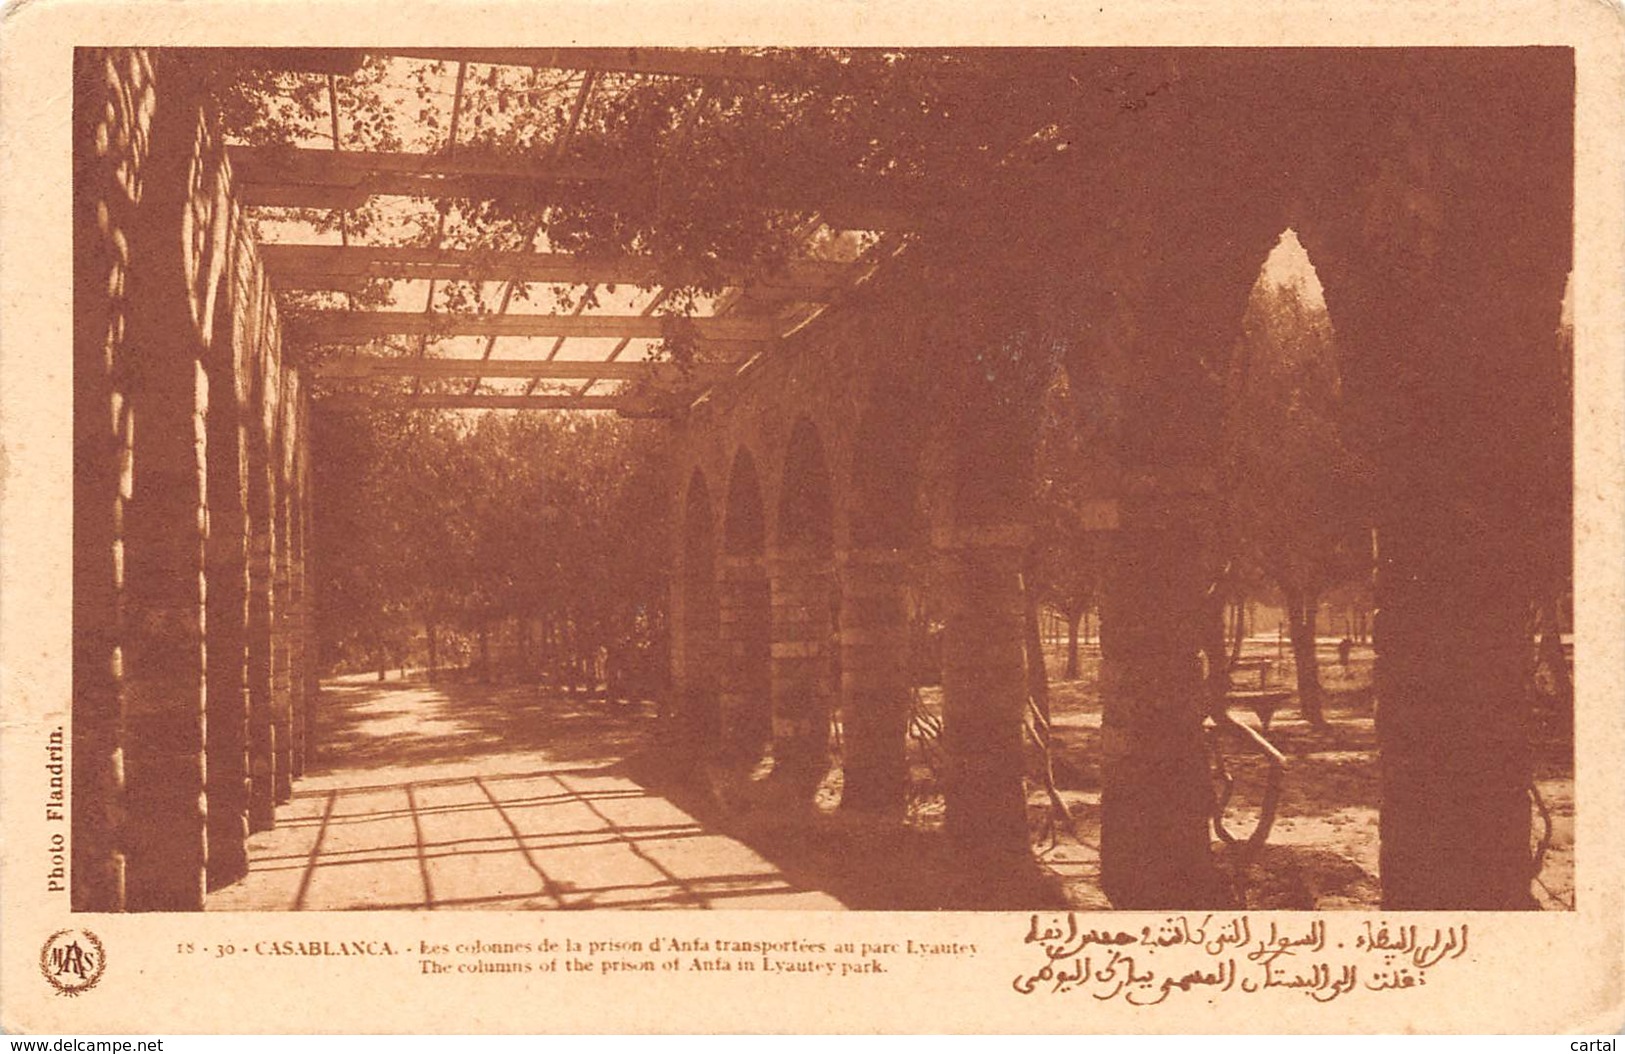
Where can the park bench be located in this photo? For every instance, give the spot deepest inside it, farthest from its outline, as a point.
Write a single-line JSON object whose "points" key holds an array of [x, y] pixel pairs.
{"points": [[1262, 701], [1259, 666], [1218, 725]]}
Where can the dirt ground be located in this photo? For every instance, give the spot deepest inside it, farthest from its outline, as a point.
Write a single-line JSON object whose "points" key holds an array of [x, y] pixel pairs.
{"points": [[1322, 851], [1320, 854]]}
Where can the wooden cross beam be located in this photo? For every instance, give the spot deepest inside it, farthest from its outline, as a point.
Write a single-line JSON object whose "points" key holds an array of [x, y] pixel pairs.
{"points": [[397, 172], [337, 267], [339, 61], [359, 327], [302, 177], [673, 62], [363, 367], [626, 405]]}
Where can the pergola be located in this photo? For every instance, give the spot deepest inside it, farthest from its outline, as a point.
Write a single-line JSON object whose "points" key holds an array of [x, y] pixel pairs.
{"points": [[598, 358], [1433, 191]]}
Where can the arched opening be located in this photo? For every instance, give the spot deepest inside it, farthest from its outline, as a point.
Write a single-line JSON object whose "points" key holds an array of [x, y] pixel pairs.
{"points": [[806, 512], [1297, 529], [746, 629], [804, 614], [699, 714], [1290, 567]]}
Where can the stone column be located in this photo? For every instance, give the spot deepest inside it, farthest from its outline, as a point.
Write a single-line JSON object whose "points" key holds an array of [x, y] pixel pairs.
{"points": [[306, 591], [1155, 845], [312, 656], [1447, 313], [227, 617], [297, 630], [112, 106], [698, 714], [162, 650], [262, 501], [282, 634], [874, 680], [800, 587], [1155, 362], [984, 688], [744, 663]]}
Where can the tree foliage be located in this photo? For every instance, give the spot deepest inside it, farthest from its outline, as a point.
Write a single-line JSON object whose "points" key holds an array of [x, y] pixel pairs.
{"points": [[1070, 543], [1299, 495], [711, 179], [447, 522]]}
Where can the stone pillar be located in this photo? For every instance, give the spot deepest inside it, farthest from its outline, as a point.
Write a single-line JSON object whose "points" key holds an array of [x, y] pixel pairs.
{"points": [[744, 663], [297, 629], [227, 714], [162, 650], [874, 680], [984, 688], [698, 714], [112, 107], [282, 634], [1155, 845], [304, 582], [1153, 362], [800, 587], [312, 657], [262, 501], [695, 609], [1446, 314], [1452, 646]]}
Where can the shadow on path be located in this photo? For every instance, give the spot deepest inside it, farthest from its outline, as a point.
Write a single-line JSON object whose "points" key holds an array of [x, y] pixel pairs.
{"points": [[468, 796]]}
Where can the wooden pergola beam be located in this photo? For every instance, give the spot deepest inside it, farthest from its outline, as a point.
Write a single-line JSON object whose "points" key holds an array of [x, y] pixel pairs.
{"points": [[284, 164], [338, 61], [346, 327], [363, 367], [302, 177], [672, 62], [627, 405], [852, 214], [295, 266]]}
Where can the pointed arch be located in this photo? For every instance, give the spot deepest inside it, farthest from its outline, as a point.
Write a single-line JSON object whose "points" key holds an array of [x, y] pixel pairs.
{"points": [[806, 519], [744, 528], [745, 632], [698, 713], [805, 612], [1299, 516]]}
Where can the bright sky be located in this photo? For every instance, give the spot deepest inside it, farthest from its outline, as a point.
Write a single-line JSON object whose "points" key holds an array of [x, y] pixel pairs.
{"points": [[1288, 265]]}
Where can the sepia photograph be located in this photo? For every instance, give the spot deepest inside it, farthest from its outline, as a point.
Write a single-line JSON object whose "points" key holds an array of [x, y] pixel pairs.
{"points": [[1034, 478], [1027, 520]]}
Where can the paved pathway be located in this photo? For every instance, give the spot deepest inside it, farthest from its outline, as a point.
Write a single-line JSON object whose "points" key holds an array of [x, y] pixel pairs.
{"points": [[502, 799]]}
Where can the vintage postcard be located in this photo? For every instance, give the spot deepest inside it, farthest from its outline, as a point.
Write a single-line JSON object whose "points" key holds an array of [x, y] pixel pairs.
{"points": [[739, 517]]}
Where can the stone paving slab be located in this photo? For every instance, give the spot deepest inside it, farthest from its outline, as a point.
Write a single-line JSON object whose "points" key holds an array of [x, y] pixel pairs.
{"points": [[490, 829]]}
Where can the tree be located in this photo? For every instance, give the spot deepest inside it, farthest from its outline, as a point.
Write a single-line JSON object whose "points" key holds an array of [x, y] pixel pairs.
{"points": [[1298, 495], [1070, 545], [444, 521]]}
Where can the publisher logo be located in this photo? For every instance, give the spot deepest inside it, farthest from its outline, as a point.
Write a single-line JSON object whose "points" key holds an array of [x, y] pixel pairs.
{"points": [[72, 961]]}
